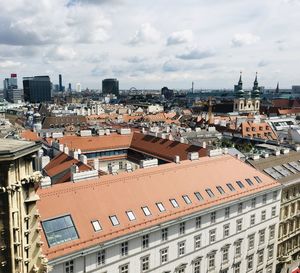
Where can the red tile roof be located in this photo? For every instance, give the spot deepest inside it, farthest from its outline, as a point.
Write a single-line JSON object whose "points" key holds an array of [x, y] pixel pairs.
{"points": [[113, 195]]}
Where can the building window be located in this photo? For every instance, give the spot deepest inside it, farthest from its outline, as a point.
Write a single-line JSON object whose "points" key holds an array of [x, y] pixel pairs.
{"points": [[164, 234], [230, 187], [174, 203], [160, 207], [250, 183], [114, 220], [145, 241], [260, 256], [274, 195], [130, 215], [212, 236], [213, 217], [226, 230], [250, 262], [220, 189], [225, 255], [69, 267], [59, 230], [273, 212], [198, 222], [253, 202], [198, 195], [196, 267], [186, 199], [227, 212], [101, 257], [124, 249], [272, 232], [198, 241], [240, 184], [270, 269], [145, 263], [239, 225], [270, 252], [240, 207], [263, 215], [257, 178], [236, 268], [211, 261], [264, 199], [238, 249], [210, 193], [182, 228], [261, 239], [181, 248], [96, 225], [251, 239], [164, 255], [146, 211], [124, 268], [252, 219]]}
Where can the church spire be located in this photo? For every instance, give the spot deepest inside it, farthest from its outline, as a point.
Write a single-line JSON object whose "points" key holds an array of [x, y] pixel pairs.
{"points": [[240, 80], [255, 84], [255, 90], [277, 88]]}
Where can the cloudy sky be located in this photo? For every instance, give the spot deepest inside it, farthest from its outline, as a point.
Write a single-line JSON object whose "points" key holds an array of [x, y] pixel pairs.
{"points": [[150, 44]]}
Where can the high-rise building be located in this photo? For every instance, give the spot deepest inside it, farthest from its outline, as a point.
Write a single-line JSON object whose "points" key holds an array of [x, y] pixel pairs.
{"points": [[78, 87], [110, 86], [60, 83], [37, 89], [11, 91], [70, 87]]}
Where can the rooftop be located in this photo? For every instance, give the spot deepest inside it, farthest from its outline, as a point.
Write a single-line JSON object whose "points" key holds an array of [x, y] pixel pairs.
{"points": [[110, 199]]}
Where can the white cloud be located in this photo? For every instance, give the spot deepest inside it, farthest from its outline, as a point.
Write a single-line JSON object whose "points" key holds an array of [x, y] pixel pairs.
{"points": [[146, 34], [9, 64], [180, 37], [61, 53], [195, 53], [244, 39]]}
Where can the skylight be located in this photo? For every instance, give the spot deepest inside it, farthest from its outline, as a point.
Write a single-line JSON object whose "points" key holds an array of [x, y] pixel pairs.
{"points": [[250, 183], [186, 199], [59, 230], [114, 220], [146, 211], [160, 206], [198, 195], [130, 215], [210, 193], [240, 184], [96, 225], [229, 185], [174, 203], [220, 189], [257, 178]]}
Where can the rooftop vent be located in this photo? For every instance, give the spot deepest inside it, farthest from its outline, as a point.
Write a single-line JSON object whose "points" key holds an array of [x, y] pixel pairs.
{"points": [[285, 151], [193, 156], [177, 159], [45, 182], [215, 152], [148, 163], [255, 157], [78, 176]]}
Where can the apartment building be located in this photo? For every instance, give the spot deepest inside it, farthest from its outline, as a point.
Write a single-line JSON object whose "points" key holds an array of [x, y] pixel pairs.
{"points": [[211, 214], [20, 245], [285, 168]]}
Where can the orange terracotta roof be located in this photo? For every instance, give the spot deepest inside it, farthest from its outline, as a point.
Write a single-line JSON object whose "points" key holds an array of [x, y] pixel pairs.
{"points": [[29, 135], [114, 195], [259, 130], [163, 148], [94, 143], [63, 162]]}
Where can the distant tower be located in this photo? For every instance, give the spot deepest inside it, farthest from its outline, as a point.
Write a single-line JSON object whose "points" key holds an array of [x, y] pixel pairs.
{"points": [[60, 89], [78, 87], [249, 103], [70, 87], [192, 87], [277, 89]]}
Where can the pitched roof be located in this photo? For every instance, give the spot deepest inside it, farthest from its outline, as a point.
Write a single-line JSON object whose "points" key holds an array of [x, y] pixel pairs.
{"points": [[163, 148], [114, 195]]}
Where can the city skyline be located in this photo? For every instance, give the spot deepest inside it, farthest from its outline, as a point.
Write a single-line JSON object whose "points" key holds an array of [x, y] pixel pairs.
{"points": [[150, 45]]}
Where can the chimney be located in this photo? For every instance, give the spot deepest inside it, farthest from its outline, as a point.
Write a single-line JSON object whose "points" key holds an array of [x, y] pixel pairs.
{"points": [[177, 159], [96, 164], [83, 159], [66, 149], [193, 156]]}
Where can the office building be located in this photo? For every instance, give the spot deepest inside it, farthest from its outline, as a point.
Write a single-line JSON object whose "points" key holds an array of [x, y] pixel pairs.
{"points": [[110, 86], [78, 87], [209, 214], [37, 89], [20, 244], [15, 95], [60, 89], [10, 89]]}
